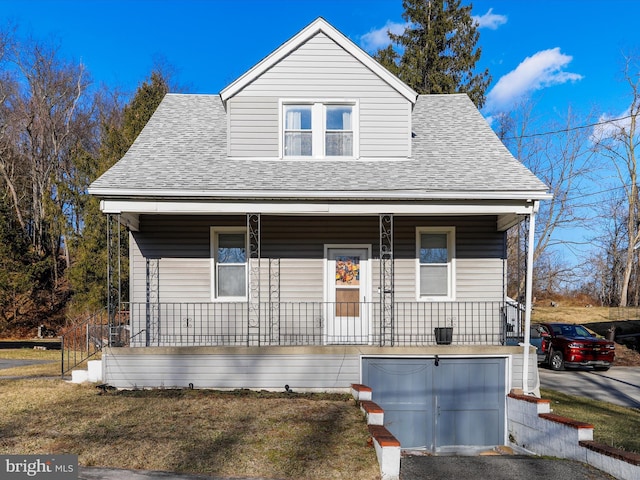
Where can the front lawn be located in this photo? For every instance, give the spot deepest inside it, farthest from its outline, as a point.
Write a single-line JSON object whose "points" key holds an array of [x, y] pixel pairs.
{"points": [[242, 433]]}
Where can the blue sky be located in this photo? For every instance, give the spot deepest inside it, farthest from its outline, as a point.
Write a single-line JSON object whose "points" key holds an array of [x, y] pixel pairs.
{"points": [[559, 53]]}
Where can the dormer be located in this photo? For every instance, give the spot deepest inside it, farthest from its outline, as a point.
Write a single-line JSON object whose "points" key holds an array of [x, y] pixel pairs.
{"points": [[317, 97]]}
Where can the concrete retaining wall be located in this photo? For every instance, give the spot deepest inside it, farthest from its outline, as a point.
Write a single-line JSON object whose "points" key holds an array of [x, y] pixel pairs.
{"points": [[533, 427]]}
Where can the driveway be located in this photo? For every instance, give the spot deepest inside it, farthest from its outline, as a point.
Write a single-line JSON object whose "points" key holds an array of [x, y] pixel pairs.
{"points": [[619, 385], [509, 467], [11, 363]]}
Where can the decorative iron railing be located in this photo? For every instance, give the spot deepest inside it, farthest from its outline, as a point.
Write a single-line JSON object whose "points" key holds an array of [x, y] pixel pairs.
{"points": [[313, 323], [85, 338]]}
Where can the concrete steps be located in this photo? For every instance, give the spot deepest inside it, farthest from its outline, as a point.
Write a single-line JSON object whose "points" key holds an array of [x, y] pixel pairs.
{"points": [[92, 374]]}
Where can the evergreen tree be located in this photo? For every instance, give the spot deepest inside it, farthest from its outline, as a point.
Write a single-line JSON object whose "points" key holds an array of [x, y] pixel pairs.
{"points": [[437, 51], [119, 129]]}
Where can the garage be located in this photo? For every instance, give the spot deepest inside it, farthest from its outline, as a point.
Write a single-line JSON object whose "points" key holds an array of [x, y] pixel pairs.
{"points": [[440, 403]]}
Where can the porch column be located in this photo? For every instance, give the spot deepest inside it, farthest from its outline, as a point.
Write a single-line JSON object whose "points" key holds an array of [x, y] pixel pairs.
{"points": [[386, 280], [528, 297], [253, 279], [274, 301], [114, 271], [152, 320]]}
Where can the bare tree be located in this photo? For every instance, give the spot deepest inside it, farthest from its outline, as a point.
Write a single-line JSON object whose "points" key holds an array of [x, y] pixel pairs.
{"points": [[50, 125], [605, 267], [617, 141], [563, 160], [10, 169]]}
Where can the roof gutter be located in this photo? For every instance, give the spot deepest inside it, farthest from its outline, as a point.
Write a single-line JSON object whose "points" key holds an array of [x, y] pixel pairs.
{"points": [[317, 195]]}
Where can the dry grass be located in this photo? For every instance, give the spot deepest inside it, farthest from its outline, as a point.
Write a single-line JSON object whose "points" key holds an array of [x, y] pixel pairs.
{"points": [[613, 425], [570, 314], [206, 432], [49, 369]]}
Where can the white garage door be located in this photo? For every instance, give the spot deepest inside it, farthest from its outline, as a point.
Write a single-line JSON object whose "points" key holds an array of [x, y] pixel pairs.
{"points": [[439, 403]]}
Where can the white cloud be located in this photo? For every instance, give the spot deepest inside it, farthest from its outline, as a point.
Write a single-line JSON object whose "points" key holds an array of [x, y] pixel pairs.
{"points": [[609, 127], [377, 39], [541, 70], [490, 20]]}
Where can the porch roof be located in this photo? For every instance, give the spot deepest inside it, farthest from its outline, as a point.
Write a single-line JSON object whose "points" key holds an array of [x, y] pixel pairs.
{"points": [[182, 154]]}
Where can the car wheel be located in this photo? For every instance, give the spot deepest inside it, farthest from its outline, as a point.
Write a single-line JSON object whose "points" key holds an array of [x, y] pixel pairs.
{"points": [[556, 360]]}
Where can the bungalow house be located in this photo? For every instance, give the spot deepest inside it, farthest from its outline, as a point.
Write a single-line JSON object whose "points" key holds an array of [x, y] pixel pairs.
{"points": [[319, 224]]}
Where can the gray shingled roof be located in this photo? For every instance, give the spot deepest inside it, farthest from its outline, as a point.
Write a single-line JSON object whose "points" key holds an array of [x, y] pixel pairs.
{"points": [[183, 152]]}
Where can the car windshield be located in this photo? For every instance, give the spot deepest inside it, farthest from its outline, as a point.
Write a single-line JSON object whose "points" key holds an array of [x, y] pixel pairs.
{"points": [[582, 332], [571, 331]]}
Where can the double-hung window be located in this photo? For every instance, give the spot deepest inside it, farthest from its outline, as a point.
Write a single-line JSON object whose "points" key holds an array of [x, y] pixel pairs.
{"points": [[319, 129], [298, 134], [338, 132], [435, 256], [229, 252]]}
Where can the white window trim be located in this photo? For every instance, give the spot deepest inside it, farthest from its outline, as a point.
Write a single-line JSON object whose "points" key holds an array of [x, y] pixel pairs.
{"points": [[451, 264], [213, 236], [318, 126]]}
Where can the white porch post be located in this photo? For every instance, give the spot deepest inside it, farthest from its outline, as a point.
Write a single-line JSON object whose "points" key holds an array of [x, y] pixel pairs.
{"points": [[528, 298]]}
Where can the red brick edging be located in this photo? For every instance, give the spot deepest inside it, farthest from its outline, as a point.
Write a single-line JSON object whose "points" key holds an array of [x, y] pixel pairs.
{"points": [[528, 398], [383, 436], [570, 422], [629, 457], [606, 450], [358, 387], [371, 407]]}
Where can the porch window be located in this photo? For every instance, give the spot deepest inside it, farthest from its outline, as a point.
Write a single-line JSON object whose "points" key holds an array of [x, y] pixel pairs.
{"points": [[319, 129], [435, 263], [229, 249]]}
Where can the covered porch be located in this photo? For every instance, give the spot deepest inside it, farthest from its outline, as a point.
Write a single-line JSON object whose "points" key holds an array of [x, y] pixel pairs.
{"points": [[291, 286]]}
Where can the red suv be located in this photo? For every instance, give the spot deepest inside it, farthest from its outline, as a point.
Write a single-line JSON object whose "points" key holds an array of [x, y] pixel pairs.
{"points": [[568, 345]]}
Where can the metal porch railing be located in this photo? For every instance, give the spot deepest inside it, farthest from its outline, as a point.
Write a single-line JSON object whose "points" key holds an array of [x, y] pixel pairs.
{"points": [[315, 323], [86, 338]]}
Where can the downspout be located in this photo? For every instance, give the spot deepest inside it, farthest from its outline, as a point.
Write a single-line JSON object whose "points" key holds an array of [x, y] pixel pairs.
{"points": [[528, 298]]}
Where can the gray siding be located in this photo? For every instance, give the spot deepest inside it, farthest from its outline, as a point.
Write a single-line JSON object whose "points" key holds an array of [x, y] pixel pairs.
{"points": [[319, 69], [233, 370], [323, 368], [181, 246]]}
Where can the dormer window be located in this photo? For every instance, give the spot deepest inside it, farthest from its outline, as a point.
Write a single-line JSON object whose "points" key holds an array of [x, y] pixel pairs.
{"points": [[298, 133], [319, 129]]}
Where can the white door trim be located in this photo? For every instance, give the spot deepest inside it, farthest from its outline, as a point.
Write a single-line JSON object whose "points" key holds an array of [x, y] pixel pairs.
{"points": [[365, 289]]}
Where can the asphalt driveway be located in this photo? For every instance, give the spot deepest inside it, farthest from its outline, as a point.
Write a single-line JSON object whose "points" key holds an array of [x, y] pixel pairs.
{"points": [[11, 363], [508, 467], [619, 385]]}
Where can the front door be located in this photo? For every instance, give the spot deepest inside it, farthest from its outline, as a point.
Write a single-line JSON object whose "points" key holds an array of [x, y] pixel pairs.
{"points": [[348, 282]]}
